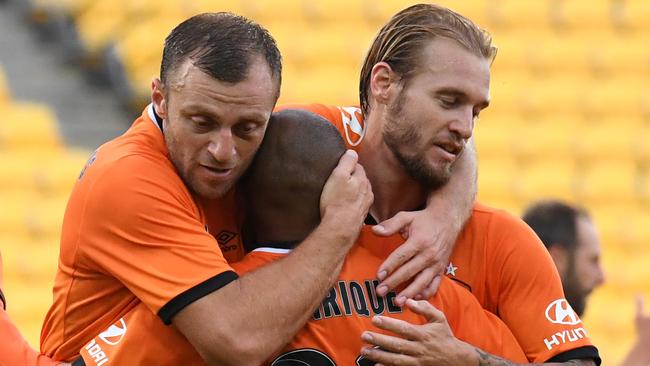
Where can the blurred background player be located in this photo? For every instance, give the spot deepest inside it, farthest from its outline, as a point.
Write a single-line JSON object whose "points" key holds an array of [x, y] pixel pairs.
{"points": [[569, 234]]}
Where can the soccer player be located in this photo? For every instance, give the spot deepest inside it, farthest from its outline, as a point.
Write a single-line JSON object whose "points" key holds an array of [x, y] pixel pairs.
{"points": [[282, 189], [423, 85], [153, 219], [135, 229], [570, 236]]}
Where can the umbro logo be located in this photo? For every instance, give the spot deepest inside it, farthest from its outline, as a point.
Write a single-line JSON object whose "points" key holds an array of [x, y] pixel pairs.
{"points": [[225, 236]]}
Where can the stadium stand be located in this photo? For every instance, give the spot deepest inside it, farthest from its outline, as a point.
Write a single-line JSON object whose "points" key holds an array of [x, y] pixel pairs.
{"points": [[570, 115], [37, 172]]}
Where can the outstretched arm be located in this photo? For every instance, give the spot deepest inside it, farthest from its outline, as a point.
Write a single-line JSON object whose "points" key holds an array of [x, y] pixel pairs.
{"points": [[430, 233]]}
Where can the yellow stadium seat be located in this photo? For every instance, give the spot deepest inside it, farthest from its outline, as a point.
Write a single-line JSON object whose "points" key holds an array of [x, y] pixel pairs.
{"points": [[275, 10], [102, 21], [328, 85], [512, 53], [632, 14], [580, 15], [59, 174], [547, 178], [17, 170], [521, 15], [623, 97], [609, 181], [28, 126], [210, 6], [107, 20], [495, 136], [552, 137], [144, 42], [554, 53], [621, 55], [643, 148], [496, 178], [351, 12], [609, 139], [314, 46], [560, 95]]}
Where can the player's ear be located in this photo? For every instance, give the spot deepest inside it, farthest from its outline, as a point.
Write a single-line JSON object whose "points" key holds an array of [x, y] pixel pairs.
{"points": [[158, 98], [383, 83], [560, 256]]}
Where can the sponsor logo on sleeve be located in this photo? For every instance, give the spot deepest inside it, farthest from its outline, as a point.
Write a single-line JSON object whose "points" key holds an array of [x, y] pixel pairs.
{"points": [[93, 351], [560, 312], [114, 334], [353, 124]]}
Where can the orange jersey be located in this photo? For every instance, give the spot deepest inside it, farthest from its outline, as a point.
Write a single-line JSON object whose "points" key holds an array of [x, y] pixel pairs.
{"points": [[503, 263], [133, 233], [333, 333]]}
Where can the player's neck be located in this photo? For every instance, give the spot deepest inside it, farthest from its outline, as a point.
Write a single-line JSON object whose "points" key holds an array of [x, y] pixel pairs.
{"points": [[393, 188]]}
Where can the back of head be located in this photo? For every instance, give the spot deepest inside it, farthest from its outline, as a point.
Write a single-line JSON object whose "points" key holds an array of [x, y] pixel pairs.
{"points": [[555, 223], [401, 41], [283, 184], [223, 45]]}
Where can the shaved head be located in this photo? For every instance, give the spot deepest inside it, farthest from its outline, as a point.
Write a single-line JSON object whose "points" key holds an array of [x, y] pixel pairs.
{"points": [[284, 183]]}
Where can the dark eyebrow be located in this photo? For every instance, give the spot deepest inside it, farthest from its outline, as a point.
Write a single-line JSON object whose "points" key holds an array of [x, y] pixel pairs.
{"points": [[198, 108]]}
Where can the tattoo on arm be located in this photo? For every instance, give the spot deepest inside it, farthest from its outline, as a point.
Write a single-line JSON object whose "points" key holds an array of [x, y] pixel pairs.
{"points": [[486, 359]]}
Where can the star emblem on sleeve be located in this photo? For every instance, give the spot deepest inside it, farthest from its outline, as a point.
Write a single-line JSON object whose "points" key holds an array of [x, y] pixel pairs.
{"points": [[451, 269]]}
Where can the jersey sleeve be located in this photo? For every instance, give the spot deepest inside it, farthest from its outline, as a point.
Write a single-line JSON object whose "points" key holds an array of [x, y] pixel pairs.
{"points": [[347, 119], [472, 324], [530, 296], [149, 235], [14, 350]]}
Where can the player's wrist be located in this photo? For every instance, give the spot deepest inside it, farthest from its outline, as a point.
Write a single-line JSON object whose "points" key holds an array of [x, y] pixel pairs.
{"points": [[467, 354], [343, 228]]}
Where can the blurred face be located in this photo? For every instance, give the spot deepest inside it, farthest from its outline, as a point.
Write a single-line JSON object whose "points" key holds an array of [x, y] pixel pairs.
{"points": [[586, 273], [212, 128], [429, 122]]}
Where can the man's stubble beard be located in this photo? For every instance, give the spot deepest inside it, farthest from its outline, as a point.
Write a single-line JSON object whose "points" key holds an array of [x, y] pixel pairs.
{"points": [[396, 137]]}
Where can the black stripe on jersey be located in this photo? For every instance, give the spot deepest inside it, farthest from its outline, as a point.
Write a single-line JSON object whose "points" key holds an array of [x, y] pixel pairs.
{"points": [[467, 286], [581, 353], [167, 312], [4, 301], [79, 362], [159, 120]]}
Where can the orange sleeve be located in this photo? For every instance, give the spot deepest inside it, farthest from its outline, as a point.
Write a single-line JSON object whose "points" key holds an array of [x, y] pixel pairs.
{"points": [[472, 324], [348, 120], [149, 234], [531, 300], [14, 350]]}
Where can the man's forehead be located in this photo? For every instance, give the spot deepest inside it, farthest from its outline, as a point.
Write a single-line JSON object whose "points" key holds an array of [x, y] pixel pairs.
{"points": [[450, 63]]}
